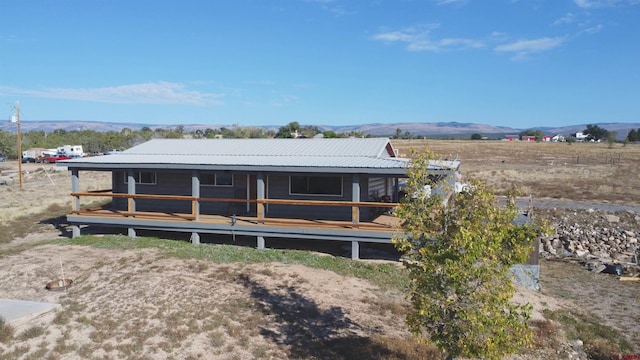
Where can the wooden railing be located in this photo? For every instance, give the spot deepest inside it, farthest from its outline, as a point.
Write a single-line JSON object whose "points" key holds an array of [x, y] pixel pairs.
{"points": [[260, 203]]}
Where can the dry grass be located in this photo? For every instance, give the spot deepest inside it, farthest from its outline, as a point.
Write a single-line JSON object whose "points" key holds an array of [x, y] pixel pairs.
{"points": [[133, 303], [578, 171]]}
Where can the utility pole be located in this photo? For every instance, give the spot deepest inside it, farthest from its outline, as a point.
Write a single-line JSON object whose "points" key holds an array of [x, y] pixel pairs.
{"points": [[19, 144]]}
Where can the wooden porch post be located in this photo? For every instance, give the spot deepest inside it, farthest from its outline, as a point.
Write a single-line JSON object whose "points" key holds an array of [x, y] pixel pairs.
{"points": [[260, 196], [195, 192], [75, 205], [131, 202], [355, 197], [355, 213], [195, 205]]}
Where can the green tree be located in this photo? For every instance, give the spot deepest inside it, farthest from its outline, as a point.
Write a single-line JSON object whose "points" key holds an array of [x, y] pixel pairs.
{"points": [[476, 136], [458, 257], [633, 135], [288, 130], [595, 132], [611, 138]]}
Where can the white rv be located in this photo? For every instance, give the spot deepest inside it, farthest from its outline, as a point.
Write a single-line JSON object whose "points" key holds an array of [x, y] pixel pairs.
{"points": [[71, 150]]}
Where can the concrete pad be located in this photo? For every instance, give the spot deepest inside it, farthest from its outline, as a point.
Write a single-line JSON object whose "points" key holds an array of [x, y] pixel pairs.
{"points": [[17, 312]]}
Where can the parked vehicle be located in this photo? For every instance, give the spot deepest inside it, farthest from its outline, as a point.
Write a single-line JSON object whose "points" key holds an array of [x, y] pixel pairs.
{"points": [[2, 158], [71, 150], [32, 155], [56, 158]]}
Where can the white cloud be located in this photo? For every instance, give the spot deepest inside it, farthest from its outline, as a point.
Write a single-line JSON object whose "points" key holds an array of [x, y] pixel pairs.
{"points": [[523, 48], [592, 29], [568, 18], [146, 93], [593, 4], [449, 2], [418, 39]]}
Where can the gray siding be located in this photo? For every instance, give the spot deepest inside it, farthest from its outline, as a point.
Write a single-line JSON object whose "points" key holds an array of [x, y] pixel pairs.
{"points": [[278, 188], [179, 183]]}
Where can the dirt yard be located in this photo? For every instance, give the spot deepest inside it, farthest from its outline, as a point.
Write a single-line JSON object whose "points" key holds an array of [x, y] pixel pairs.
{"points": [[142, 304]]}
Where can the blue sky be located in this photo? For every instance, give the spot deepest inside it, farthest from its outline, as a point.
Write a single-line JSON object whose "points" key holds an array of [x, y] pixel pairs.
{"points": [[518, 63]]}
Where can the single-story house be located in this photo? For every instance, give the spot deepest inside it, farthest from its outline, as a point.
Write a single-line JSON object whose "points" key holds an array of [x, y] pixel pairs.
{"points": [[327, 189]]}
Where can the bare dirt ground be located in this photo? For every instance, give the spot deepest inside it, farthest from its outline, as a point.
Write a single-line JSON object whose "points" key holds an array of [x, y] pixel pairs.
{"points": [[137, 304]]}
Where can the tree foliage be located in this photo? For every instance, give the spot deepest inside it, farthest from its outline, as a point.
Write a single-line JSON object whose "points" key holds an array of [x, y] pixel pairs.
{"points": [[633, 135], [595, 132], [458, 256]]}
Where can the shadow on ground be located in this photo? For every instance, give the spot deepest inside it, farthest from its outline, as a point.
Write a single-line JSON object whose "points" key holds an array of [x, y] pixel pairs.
{"points": [[309, 332]]}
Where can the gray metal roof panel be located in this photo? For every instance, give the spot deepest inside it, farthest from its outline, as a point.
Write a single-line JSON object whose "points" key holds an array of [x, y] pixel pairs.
{"points": [[359, 155], [351, 147]]}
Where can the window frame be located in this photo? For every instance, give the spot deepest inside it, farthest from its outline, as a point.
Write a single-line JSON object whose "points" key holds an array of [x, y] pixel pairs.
{"points": [[138, 175], [316, 178], [216, 182]]}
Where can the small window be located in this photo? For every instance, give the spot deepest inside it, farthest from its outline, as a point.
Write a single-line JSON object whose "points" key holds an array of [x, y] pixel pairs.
{"points": [[143, 177], [316, 185], [216, 179]]}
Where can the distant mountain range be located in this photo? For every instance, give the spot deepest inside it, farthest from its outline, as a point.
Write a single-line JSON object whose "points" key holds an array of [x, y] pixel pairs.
{"points": [[431, 130]]}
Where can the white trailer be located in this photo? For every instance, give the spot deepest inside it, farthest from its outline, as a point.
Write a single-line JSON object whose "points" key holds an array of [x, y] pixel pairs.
{"points": [[71, 150]]}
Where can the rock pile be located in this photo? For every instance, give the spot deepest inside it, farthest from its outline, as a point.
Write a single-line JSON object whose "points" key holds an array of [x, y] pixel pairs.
{"points": [[592, 235]]}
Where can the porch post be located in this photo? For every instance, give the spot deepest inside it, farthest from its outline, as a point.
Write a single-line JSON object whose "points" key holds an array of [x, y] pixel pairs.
{"points": [[131, 202], [355, 197], [195, 192], [131, 190], [260, 242], [75, 206], [195, 205], [260, 196], [355, 213]]}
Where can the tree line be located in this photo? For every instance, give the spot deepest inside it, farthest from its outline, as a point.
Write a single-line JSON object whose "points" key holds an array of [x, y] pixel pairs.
{"points": [[96, 142]]}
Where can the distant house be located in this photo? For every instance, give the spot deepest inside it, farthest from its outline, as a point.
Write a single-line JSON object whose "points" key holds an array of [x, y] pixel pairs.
{"points": [[511, 137], [547, 138], [306, 189], [557, 138], [580, 136], [528, 138]]}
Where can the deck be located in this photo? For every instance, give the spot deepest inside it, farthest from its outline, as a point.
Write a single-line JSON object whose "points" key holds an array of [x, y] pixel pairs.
{"points": [[381, 229]]}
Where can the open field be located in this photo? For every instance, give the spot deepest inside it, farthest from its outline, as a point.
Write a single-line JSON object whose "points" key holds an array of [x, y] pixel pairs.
{"points": [[578, 171], [157, 299]]}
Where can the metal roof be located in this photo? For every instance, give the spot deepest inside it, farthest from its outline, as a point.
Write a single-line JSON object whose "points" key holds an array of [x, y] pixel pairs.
{"points": [[352, 155]]}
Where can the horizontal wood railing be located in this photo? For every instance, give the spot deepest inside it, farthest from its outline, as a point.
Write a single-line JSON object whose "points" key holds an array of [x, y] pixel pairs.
{"points": [[355, 205]]}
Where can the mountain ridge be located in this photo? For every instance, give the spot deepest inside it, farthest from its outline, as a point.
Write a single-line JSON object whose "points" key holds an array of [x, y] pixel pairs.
{"points": [[435, 129]]}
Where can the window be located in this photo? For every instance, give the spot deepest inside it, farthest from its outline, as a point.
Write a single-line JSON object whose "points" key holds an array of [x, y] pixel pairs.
{"points": [[143, 177], [216, 179], [316, 185]]}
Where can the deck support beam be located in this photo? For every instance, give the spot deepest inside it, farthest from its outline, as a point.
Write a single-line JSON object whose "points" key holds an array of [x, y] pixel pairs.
{"points": [[355, 250], [195, 238], [131, 232], [75, 231], [260, 242]]}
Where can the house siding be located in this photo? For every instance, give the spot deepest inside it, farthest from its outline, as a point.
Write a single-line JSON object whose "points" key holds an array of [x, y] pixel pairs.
{"points": [[277, 187]]}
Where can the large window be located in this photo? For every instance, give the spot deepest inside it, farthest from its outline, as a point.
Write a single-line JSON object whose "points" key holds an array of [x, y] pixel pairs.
{"points": [[216, 179], [143, 177], [316, 185]]}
